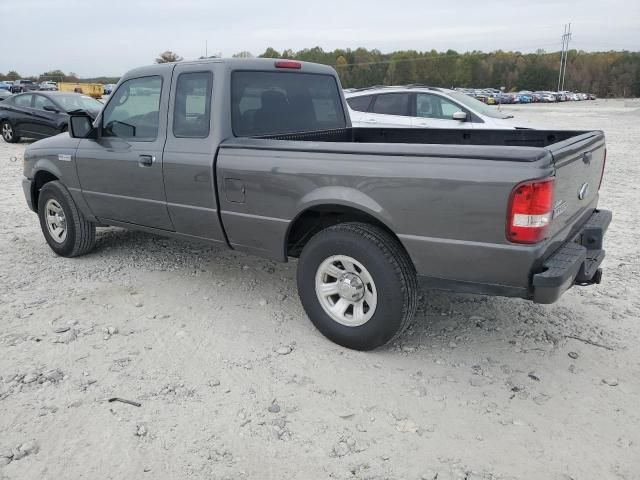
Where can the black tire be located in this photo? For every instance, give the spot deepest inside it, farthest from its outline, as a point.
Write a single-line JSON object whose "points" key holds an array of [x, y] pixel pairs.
{"points": [[80, 233], [8, 132], [390, 268]]}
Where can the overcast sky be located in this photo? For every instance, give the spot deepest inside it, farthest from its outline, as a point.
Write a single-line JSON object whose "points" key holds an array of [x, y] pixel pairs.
{"points": [[108, 37]]}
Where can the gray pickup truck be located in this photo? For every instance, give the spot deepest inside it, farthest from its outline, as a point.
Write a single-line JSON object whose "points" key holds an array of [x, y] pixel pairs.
{"points": [[260, 156]]}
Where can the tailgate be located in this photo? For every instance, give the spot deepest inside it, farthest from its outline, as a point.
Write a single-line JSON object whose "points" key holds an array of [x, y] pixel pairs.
{"points": [[579, 162]]}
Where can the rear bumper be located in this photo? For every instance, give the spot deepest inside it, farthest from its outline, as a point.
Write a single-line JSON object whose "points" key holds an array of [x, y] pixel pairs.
{"points": [[575, 263]]}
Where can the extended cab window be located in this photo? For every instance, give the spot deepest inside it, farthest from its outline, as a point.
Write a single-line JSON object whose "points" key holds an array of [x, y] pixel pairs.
{"points": [[359, 104], [264, 103], [192, 108], [134, 110], [391, 104]]}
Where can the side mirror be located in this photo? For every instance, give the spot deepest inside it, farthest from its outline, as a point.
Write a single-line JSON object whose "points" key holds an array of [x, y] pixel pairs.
{"points": [[50, 108], [462, 116], [80, 126]]}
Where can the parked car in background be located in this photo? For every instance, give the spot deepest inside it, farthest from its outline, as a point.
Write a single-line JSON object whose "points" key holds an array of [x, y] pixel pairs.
{"points": [[422, 107], [108, 88], [20, 86], [523, 98], [547, 97], [592, 96], [41, 114], [505, 99], [5, 85], [4, 94], [48, 86]]}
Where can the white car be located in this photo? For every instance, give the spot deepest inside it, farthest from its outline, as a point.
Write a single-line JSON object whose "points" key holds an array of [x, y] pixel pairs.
{"points": [[422, 107]]}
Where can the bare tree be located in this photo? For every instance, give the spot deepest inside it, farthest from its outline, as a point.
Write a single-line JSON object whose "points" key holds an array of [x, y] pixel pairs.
{"points": [[168, 57]]}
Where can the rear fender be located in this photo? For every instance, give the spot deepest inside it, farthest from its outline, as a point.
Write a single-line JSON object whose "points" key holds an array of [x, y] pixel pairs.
{"points": [[347, 197]]}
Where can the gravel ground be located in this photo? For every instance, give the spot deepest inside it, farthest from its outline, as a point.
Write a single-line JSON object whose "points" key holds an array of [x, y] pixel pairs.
{"points": [[234, 382]]}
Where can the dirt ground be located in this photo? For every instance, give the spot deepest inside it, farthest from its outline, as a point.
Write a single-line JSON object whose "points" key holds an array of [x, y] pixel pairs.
{"points": [[234, 382]]}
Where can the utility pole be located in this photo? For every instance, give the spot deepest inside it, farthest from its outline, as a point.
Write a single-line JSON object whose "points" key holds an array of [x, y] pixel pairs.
{"points": [[206, 48], [566, 56], [566, 36]]}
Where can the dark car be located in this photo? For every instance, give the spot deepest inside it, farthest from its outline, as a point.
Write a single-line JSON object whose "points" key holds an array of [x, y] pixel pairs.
{"points": [[20, 86], [4, 94], [41, 114]]}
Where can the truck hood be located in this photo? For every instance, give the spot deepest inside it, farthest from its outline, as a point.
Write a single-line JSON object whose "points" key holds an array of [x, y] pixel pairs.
{"points": [[60, 141]]}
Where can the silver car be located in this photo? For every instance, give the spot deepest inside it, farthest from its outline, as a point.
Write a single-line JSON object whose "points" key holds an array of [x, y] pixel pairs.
{"points": [[422, 107]]}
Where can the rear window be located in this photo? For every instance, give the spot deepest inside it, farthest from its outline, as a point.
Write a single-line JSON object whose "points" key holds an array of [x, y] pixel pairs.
{"points": [[359, 104], [264, 103], [392, 104]]}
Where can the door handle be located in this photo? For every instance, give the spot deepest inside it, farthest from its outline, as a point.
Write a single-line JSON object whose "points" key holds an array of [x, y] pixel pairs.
{"points": [[146, 160]]}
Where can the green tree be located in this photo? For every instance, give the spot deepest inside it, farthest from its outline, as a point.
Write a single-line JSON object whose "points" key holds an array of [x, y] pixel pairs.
{"points": [[270, 53]]}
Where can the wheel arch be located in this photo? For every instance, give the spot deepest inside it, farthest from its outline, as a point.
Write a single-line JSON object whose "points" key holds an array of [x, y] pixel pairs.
{"points": [[321, 215], [40, 179]]}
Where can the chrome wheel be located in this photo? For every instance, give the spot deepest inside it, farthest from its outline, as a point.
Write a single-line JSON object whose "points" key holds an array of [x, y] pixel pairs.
{"points": [[7, 131], [56, 221], [346, 291]]}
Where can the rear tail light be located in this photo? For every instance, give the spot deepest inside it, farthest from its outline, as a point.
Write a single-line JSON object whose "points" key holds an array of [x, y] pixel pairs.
{"points": [[604, 162], [288, 64], [530, 211]]}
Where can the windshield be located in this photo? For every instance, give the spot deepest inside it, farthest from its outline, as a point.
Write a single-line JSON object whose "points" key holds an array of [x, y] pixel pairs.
{"points": [[76, 101], [478, 106]]}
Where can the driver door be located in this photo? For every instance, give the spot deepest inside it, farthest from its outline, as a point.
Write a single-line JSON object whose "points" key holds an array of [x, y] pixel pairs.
{"points": [[120, 172]]}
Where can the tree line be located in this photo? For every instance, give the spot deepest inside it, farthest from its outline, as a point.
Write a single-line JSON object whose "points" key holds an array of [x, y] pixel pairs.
{"points": [[57, 76], [607, 74]]}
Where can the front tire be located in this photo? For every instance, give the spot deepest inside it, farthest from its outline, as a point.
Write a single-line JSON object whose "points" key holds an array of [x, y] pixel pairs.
{"points": [[357, 285], [8, 132], [65, 228]]}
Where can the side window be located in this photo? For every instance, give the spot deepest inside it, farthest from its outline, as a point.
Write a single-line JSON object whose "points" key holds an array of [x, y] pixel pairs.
{"points": [[434, 106], [391, 104], [134, 110], [23, 101], [192, 107], [448, 108], [40, 102], [359, 104]]}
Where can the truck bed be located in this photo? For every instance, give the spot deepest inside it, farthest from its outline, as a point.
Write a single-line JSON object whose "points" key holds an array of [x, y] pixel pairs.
{"points": [[519, 137], [443, 191]]}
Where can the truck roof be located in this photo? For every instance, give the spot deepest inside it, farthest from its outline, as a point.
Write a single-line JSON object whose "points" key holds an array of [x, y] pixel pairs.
{"points": [[235, 64]]}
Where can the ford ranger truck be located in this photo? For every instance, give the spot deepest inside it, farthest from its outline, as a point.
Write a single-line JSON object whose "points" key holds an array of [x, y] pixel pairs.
{"points": [[260, 156]]}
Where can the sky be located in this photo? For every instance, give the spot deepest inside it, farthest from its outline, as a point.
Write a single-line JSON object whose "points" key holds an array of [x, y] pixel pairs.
{"points": [[109, 37]]}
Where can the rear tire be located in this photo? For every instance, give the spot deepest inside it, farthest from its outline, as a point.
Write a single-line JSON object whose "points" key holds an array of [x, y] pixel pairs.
{"points": [[64, 227], [8, 132], [357, 285]]}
